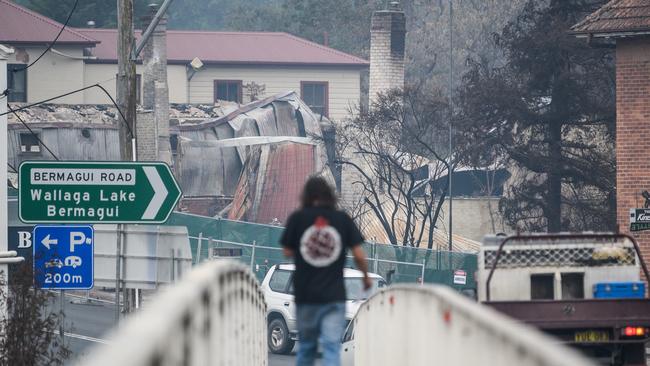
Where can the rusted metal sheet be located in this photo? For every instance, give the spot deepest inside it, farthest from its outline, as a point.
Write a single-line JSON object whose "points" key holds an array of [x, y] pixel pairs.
{"points": [[287, 169], [270, 185]]}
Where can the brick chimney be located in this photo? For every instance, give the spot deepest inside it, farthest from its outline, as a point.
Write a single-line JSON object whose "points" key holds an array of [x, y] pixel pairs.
{"points": [[155, 93], [387, 41]]}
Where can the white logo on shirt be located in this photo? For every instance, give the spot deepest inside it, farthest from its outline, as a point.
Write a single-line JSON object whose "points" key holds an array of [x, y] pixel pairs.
{"points": [[320, 244]]}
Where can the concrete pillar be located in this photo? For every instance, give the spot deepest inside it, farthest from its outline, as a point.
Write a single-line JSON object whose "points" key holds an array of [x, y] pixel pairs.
{"points": [[632, 132], [387, 42], [155, 89]]}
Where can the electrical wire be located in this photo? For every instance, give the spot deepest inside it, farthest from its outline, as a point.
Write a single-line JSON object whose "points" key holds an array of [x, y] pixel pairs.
{"points": [[12, 167], [32, 132], [73, 92], [53, 42]]}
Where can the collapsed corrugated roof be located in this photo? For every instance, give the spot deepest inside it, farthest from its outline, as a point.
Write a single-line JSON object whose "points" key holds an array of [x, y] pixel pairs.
{"points": [[260, 154]]}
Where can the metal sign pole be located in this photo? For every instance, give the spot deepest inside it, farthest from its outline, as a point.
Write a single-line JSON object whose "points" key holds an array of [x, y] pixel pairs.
{"points": [[424, 263], [198, 248], [253, 257], [126, 295], [118, 253], [61, 328]]}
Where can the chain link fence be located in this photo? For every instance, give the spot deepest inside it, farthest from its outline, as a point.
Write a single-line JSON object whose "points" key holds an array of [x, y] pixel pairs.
{"points": [[258, 246]]}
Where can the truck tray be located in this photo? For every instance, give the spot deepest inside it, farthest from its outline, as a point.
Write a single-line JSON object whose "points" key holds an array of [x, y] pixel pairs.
{"points": [[587, 313]]}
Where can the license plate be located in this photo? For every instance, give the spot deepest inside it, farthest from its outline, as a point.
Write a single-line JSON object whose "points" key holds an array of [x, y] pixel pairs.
{"points": [[591, 336]]}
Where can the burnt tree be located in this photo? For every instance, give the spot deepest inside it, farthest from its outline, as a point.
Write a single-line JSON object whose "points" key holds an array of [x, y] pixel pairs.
{"points": [[391, 150], [550, 111]]}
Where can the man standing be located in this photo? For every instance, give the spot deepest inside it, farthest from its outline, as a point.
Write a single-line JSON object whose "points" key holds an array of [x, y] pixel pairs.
{"points": [[318, 236]]}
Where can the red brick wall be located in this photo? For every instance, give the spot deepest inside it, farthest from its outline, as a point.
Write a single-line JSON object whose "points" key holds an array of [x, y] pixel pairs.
{"points": [[632, 132]]}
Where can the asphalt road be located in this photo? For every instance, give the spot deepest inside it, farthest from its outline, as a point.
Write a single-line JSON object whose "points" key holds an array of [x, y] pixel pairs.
{"points": [[86, 325], [284, 360]]}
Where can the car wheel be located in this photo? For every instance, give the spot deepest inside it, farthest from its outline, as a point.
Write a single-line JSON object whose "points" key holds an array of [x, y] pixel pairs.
{"points": [[278, 337]]}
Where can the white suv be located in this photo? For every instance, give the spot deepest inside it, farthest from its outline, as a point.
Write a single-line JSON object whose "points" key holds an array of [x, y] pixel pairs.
{"points": [[281, 315]]}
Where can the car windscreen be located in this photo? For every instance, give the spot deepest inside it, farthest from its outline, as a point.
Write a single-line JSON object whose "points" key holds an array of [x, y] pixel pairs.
{"points": [[354, 287]]}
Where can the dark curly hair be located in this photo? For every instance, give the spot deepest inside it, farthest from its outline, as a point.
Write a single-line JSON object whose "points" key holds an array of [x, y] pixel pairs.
{"points": [[318, 193]]}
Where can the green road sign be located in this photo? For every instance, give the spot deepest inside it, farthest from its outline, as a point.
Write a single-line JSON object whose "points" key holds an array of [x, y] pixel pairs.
{"points": [[96, 192]]}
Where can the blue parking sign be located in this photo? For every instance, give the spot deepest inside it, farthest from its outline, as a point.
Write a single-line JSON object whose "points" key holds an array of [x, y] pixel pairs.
{"points": [[63, 257]]}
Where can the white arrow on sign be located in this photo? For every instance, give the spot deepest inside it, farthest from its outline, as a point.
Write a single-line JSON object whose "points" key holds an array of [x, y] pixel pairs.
{"points": [[47, 241], [160, 193]]}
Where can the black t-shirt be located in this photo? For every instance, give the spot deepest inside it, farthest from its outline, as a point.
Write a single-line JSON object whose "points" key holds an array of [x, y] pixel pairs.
{"points": [[320, 239]]}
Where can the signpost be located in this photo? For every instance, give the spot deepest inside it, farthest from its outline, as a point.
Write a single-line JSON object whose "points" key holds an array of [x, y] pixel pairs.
{"points": [[63, 257], [96, 192]]}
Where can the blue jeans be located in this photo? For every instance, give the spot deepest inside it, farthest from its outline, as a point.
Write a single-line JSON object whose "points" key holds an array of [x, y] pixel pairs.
{"points": [[324, 322]]}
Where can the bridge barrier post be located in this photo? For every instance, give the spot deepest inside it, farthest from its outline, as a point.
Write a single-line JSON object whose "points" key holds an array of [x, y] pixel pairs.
{"points": [[215, 315]]}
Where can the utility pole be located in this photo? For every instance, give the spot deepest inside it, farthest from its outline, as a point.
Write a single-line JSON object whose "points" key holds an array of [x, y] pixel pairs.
{"points": [[126, 99], [126, 88], [451, 116]]}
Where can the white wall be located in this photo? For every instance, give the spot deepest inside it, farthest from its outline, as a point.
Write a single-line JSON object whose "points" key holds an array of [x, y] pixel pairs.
{"points": [[53, 74], [105, 75], [344, 84], [474, 217]]}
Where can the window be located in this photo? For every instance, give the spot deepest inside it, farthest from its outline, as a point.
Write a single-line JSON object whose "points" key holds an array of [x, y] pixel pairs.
{"points": [[17, 83], [542, 287], [316, 95], [29, 143], [230, 90], [280, 280], [349, 332], [573, 286], [138, 87]]}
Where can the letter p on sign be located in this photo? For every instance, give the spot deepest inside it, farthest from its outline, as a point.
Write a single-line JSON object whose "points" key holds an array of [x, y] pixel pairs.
{"points": [[77, 238]]}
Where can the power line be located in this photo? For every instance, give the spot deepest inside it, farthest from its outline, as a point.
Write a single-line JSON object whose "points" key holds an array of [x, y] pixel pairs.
{"points": [[32, 132], [53, 42], [73, 92], [12, 168]]}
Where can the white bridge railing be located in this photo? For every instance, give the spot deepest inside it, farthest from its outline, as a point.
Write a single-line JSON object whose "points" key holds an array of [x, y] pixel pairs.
{"points": [[434, 325], [216, 315]]}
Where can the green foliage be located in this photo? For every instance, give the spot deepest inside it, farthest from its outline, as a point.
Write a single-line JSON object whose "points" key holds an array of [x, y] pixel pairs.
{"points": [[29, 326], [102, 12], [346, 24], [550, 112]]}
